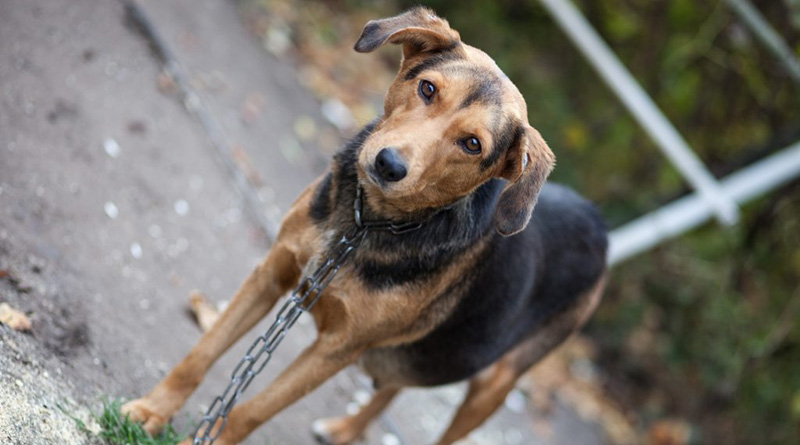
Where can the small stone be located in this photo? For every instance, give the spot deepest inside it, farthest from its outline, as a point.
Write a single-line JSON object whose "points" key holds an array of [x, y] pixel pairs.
{"points": [[277, 40], [111, 210], [390, 439], [154, 231], [291, 149], [181, 207], [192, 102], [111, 147], [362, 397], [513, 436], [136, 250], [305, 128], [516, 401]]}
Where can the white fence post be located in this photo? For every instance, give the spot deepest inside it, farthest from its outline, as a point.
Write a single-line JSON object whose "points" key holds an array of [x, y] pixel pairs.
{"points": [[642, 107], [689, 212]]}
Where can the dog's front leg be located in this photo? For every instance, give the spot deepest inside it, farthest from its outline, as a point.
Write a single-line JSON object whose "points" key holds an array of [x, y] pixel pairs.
{"points": [[320, 361], [265, 285]]}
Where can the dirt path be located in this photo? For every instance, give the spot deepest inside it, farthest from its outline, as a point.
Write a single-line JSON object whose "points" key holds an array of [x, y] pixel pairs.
{"points": [[114, 205]]}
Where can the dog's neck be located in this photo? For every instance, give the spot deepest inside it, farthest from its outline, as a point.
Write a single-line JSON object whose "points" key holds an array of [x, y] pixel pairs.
{"points": [[460, 222]]}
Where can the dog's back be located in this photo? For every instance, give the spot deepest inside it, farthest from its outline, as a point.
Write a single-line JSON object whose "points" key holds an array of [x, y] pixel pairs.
{"points": [[522, 284]]}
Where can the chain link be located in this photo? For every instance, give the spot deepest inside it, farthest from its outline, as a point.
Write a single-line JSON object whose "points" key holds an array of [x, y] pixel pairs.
{"points": [[302, 300]]}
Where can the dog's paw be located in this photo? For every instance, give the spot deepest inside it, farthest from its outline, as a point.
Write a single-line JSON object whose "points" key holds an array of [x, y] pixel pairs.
{"points": [[142, 411], [335, 431]]}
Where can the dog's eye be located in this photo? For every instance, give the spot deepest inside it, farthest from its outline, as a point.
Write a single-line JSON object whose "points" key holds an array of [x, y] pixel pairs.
{"points": [[426, 90], [471, 145]]}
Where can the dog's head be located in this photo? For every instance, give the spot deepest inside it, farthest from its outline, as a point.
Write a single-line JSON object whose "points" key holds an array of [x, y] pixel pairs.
{"points": [[452, 121]]}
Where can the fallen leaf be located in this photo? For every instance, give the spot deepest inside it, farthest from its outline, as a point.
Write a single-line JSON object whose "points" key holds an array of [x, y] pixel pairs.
{"points": [[252, 107], [245, 164], [204, 312], [669, 432], [137, 127], [13, 318], [166, 84]]}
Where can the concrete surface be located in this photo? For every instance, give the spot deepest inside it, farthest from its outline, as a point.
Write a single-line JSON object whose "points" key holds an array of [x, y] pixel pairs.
{"points": [[108, 295]]}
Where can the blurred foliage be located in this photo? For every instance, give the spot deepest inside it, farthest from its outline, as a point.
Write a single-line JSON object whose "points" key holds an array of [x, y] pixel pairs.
{"points": [[704, 327]]}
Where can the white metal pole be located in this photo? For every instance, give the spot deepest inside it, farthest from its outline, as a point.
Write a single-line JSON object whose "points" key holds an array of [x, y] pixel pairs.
{"points": [[642, 107], [768, 36], [689, 212]]}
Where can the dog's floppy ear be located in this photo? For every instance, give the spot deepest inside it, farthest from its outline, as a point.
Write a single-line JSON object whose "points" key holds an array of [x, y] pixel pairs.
{"points": [[528, 163], [418, 30]]}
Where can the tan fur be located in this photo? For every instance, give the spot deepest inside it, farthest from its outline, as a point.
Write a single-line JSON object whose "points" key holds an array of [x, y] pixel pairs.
{"points": [[352, 318]]}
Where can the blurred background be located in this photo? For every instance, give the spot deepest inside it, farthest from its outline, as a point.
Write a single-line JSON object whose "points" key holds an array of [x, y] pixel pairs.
{"points": [[105, 189]]}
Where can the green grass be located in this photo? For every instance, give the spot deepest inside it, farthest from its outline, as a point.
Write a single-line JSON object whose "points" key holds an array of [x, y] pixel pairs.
{"points": [[117, 429]]}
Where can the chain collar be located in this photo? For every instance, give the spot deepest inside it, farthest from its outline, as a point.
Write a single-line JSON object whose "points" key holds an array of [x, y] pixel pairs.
{"points": [[395, 228]]}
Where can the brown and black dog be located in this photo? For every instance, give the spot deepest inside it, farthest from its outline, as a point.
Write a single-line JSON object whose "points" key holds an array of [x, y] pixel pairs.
{"points": [[476, 293]]}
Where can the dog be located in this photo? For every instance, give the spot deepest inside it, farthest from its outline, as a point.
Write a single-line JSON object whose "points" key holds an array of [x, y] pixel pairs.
{"points": [[482, 290]]}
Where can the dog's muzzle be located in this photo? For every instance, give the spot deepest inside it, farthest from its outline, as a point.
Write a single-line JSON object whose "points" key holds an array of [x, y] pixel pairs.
{"points": [[389, 165]]}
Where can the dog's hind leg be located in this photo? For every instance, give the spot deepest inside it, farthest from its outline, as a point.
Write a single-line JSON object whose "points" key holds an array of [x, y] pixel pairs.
{"points": [[255, 298], [486, 393], [343, 430], [488, 389]]}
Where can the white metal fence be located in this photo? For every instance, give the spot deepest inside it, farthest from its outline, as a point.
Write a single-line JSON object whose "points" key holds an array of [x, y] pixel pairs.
{"points": [[712, 197]]}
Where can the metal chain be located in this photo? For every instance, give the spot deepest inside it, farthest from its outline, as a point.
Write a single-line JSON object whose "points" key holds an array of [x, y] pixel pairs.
{"points": [[302, 300]]}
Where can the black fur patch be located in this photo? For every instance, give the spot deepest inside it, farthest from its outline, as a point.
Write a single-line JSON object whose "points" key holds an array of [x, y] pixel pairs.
{"points": [[321, 203], [486, 89], [425, 252], [506, 138], [435, 58]]}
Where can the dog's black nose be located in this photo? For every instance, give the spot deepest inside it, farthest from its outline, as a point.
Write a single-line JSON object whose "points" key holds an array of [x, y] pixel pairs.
{"points": [[389, 165]]}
